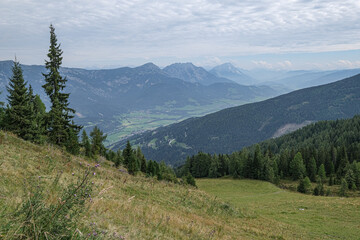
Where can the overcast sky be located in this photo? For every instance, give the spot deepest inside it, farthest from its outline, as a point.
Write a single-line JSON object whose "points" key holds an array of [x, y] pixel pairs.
{"points": [[282, 34]]}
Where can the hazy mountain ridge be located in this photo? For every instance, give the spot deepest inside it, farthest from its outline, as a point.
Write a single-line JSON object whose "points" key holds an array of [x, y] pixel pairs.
{"points": [[191, 73], [229, 71], [231, 129], [100, 95]]}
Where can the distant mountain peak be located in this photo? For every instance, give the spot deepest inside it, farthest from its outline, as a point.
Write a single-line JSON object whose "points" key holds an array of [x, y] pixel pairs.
{"points": [[191, 73], [227, 70], [149, 67]]}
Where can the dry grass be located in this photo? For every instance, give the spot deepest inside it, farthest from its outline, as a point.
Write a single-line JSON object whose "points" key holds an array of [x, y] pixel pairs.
{"points": [[144, 208], [133, 207]]}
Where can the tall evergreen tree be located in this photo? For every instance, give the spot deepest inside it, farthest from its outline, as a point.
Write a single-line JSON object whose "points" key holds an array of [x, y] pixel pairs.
{"points": [[97, 139], [59, 118], [322, 173], [127, 152], [19, 113], [85, 142], [343, 163], [37, 115], [258, 162], [297, 167], [141, 159], [311, 169]]}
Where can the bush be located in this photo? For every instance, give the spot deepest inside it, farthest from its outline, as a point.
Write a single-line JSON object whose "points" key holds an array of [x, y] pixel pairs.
{"points": [[304, 186]]}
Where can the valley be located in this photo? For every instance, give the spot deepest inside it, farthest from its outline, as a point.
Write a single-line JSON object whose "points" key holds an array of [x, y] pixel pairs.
{"points": [[233, 128]]}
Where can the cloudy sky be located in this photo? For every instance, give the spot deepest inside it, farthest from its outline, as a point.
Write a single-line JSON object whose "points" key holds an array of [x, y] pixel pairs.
{"points": [[280, 34]]}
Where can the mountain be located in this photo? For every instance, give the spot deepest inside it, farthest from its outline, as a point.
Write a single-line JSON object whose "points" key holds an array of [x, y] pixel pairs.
{"points": [[126, 100], [191, 73], [231, 129], [306, 78], [302, 79], [229, 71]]}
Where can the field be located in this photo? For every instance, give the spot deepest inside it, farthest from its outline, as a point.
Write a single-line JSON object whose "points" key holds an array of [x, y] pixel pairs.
{"points": [[292, 214]]}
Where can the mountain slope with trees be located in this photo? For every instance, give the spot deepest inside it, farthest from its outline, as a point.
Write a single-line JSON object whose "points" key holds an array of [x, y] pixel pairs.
{"points": [[233, 128], [327, 152]]}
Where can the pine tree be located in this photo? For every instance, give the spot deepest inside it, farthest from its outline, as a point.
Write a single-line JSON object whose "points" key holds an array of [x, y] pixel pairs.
{"points": [[213, 169], [37, 116], [304, 185], [19, 113], [343, 163], [312, 169], [127, 152], [322, 173], [134, 164], [297, 167], [85, 142], [141, 159], [59, 118], [72, 143], [257, 162], [343, 188], [97, 138], [119, 158], [350, 179]]}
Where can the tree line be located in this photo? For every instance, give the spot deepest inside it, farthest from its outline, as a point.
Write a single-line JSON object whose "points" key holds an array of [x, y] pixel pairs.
{"points": [[25, 115], [327, 152]]}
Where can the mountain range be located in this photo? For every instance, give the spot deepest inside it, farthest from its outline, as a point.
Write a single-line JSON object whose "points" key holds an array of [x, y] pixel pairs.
{"points": [[116, 98], [231, 129]]}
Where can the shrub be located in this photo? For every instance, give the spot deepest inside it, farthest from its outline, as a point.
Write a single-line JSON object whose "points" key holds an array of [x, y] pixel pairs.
{"points": [[35, 218]]}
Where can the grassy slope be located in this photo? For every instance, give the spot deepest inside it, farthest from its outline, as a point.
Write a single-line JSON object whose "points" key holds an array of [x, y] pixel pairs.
{"points": [[321, 217], [136, 207], [142, 208]]}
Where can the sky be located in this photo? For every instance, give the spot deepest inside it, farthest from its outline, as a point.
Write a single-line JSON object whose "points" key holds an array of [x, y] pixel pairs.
{"points": [[283, 34]]}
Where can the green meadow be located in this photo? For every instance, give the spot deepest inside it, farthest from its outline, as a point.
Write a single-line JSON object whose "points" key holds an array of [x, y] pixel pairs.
{"points": [[293, 215]]}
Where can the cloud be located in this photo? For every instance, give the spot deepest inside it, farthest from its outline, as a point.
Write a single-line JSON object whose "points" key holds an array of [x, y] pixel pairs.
{"points": [[346, 64], [277, 66], [117, 30]]}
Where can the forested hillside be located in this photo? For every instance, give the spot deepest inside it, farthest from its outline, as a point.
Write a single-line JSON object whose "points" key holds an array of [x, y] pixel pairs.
{"points": [[326, 152], [234, 128]]}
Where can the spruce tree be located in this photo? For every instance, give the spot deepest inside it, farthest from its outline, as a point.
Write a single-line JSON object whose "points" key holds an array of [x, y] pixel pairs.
{"points": [[37, 115], [141, 160], [85, 142], [127, 152], [119, 158], [60, 115], [97, 138], [19, 114], [72, 143], [322, 173], [311, 170], [304, 185], [297, 167], [343, 188]]}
